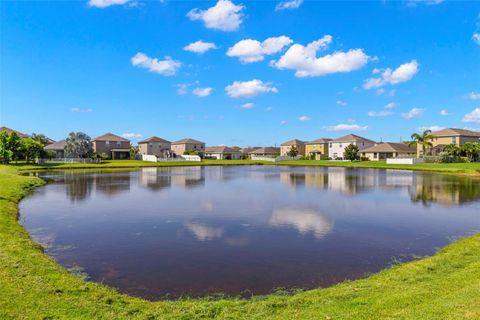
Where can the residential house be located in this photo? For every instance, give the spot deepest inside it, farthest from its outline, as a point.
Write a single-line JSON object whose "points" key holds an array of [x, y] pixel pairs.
{"points": [[222, 153], [9, 130], [113, 146], [387, 150], [180, 146], [336, 147], [58, 148], [269, 152], [449, 136], [155, 146], [317, 149], [287, 146]]}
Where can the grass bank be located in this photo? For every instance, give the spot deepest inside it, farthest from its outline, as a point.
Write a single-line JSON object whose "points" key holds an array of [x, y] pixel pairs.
{"points": [[33, 286], [452, 168]]}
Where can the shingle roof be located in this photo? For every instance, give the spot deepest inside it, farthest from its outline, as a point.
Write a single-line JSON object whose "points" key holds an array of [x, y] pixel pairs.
{"points": [[266, 150], [321, 140], [391, 147], [455, 132], [110, 137], [59, 145], [292, 142], [188, 140], [220, 149], [350, 138], [154, 139], [8, 130], [248, 149]]}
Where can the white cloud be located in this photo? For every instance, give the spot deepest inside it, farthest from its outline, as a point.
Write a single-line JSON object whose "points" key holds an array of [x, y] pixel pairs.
{"points": [[304, 118], [248, 105], [346, 127], [413, 113], [341, 103], [132, 135], [413, 3], [288, 5], [249, 89], [106, 3], [444, 113], [473, 96], [379, 113], [391, 105], [200, 46], [431, 128], [182, 88], [224, 16], [403, 73], [202, 92], [250, 50], [204, 232], [303, 59], [473, 116], [283, 122], [166, 67], [81, 110], [476, 38], [304, 220]]}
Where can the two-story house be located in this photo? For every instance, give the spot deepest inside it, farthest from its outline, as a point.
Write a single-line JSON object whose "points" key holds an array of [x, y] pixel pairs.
{"points": [[449, 136], [113, 146], [155, 146], [180, 146], [337, 146], [287, 146], [317, 149]]}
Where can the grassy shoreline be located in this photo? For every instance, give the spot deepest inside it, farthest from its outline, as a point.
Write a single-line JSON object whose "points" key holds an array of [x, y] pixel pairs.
{"points": [[34, 286]]}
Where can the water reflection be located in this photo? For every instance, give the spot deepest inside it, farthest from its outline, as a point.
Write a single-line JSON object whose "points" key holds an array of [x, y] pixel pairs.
{"points": [[199, 230]]}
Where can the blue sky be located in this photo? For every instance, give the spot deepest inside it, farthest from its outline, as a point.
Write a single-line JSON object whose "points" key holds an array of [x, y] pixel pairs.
{"points": [[380, 69]]}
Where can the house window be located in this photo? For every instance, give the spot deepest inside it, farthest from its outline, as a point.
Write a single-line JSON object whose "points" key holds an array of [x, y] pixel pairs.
{"points": [[375, 155], [107, 143], [151, 145], [330, 145], [454, 140], [119, 143]]}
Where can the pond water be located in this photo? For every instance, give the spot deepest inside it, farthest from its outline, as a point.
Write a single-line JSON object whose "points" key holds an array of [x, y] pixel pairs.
{"points": [[243, 230]]}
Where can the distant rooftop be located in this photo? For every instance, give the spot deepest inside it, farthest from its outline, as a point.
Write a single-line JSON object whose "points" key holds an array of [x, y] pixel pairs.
{"points": [[154, 139], [110, 137], [188, 140], [9, 130], [351, 138]]}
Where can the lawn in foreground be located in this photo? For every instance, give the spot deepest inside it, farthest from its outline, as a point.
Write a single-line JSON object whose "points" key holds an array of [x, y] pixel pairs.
{"points": [[33, 286]]}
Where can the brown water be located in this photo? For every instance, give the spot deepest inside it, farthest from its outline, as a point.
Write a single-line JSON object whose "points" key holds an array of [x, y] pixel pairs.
{"points": [[241, 230]]}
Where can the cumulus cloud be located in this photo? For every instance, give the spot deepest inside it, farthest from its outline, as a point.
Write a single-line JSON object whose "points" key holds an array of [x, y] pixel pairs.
{"points": [[106, 3], [166, 67], [204, 232], [200, 46], [476, 38], [431, 128], [132, 135], [250, 50], [473, 96], [202, 92], [391, 105], [346, 127], [444, 112], [403, 73], [413, 113], [305, 221], [304, 60], [304, 118], [249, 89], [248, 105], [473, 117], [81, 110], [341, 103], [288, 5], [224, 16], [379, 113]]}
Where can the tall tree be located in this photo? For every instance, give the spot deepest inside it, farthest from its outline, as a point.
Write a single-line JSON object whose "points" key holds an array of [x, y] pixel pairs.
{"points": [[9, 146], [293, 152], [31, 149], [424, 139], [78, 145], [351, 152], [471, 150]]}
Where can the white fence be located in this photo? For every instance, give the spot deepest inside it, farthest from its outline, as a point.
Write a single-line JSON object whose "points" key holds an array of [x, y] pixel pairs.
{"points": [[148, 157], [404, 160], [191, 158], [277, 159], [68, 160]]}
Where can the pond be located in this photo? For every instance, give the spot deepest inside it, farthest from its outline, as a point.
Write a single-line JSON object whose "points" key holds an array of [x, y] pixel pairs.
{"points": [[242, 230]]}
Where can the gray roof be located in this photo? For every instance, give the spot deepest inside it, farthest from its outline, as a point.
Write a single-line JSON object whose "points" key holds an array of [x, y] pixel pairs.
{"points": [[110, 137], [293, 142], [448, 132], [318, 141], [220, 149], [59, 145], [351, 138], [266, 150], [154, 139], [391, 147], [188, 140]]}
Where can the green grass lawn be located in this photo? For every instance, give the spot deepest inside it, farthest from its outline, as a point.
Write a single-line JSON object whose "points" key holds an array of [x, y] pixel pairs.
{"points": [[33, 286]]}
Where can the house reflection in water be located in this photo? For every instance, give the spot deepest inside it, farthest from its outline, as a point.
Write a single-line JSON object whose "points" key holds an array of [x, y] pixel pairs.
{"points": [[155, 180]]}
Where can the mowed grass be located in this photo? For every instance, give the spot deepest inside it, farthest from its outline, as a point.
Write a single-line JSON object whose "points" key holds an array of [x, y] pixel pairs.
{"points": [[33, 286]]}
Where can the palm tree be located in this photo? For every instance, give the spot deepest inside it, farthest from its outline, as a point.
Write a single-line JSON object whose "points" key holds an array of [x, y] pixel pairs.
{"points": [[425, 139], [452, 149], [471, 150]]}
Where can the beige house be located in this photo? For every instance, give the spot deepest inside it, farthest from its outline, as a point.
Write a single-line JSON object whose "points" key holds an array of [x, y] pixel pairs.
{"points": [[449, 136], [317, 149], [222, 153], [269, 152], [57, 147], [113, 146], [287, 146], [388, 150], [336, 147], [155, 146], [180, 146]]}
